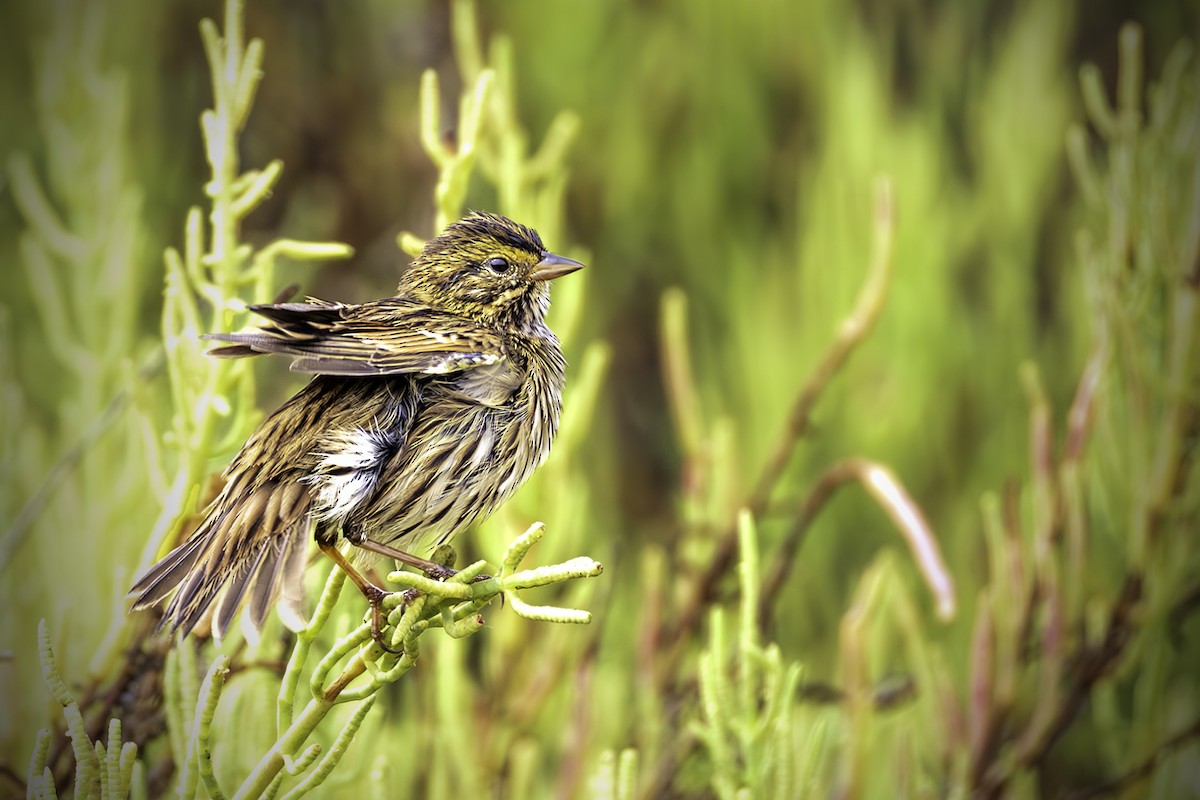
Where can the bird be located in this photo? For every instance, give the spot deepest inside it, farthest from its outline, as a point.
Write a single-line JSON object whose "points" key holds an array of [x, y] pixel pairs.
{"points": [[426, 411]]}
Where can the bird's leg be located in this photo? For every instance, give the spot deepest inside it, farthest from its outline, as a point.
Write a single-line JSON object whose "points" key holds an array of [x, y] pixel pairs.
{"points": [[373, 593], [432, 569]]}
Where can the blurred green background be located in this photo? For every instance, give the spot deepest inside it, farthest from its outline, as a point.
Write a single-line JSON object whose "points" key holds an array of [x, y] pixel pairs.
{"points": [[727, 150]]}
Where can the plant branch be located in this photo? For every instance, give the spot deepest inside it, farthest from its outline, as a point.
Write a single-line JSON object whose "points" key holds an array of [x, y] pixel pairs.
{"points": [[452, 605], [886, 489], [851, 332], [1142, 770]]}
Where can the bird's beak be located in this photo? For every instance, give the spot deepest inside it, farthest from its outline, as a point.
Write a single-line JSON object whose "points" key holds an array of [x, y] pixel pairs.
{"points": [[553, 266]]}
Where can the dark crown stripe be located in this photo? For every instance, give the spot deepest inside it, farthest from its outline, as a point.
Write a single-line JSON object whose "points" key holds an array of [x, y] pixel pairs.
{"points": [[501, 229]]}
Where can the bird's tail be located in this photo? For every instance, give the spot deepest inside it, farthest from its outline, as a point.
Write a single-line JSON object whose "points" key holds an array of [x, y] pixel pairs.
{"points": [[249, 550]]}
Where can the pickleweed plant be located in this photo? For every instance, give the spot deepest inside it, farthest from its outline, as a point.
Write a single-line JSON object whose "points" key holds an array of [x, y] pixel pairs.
{"points": [[209, 283]]}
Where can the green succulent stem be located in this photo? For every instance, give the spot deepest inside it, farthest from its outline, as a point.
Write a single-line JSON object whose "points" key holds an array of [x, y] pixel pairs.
{"points": [[206, 281], [452, 605], [1017, 368], [745, 691]]}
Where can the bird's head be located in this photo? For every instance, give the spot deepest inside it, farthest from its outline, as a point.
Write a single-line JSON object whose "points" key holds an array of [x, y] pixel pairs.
{"points": [[487, 268]]}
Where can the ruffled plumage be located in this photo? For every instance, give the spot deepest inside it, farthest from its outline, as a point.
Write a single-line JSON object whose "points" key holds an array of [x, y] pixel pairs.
{"points": [[426, 412]]}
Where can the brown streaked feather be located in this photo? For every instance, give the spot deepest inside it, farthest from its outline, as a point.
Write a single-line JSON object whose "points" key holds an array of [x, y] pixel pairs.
{"points": [[164, 576], [264, 585], [289, 585], [345, 367], [235, 589], [426, 412], [192, 600], [385, 337], [234, 351], [235, 554], [279, 576], [313, 311], [289, 497], [251, 548]]}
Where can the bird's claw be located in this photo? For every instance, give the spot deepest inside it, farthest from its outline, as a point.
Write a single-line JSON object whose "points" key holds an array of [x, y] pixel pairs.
{"points": [[438, 572], [375, 597]]}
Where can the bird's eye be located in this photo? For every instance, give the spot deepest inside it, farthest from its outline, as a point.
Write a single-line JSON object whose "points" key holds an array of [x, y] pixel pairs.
{"points": [[497, 265]]}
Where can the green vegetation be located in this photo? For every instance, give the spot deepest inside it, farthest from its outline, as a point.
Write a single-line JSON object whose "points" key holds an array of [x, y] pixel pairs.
{"points": [[882, 411]]}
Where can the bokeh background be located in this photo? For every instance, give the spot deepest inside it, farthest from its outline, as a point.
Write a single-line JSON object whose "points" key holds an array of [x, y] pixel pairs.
{"points": [[725, 156]]}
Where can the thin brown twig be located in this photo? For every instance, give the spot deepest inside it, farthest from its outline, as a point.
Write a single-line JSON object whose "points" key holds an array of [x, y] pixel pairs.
{"points": [[853, 330], [1079, 418], [883, 485], [1089, 665], [1142, 770], [1094, 663], [352, 671], [781, 565]]}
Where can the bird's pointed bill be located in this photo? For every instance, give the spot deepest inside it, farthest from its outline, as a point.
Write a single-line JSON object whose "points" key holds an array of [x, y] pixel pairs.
{"points": [[553, 266]]}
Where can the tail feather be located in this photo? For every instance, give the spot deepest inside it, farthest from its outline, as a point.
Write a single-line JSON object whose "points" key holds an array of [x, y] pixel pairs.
{"points": [[320, 310], [288, 321], [153, 587], [191, 602], [292, 565], [244, 552], [234, 351], [265, 586], [280, 581], [235, 591]]}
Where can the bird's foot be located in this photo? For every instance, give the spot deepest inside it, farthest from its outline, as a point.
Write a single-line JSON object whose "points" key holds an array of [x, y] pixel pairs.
{"points": [[375, 597], [438, 572]]}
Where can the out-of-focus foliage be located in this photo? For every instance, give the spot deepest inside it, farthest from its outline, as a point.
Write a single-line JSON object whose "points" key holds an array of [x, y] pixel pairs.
{"points": [[1031, 383]]}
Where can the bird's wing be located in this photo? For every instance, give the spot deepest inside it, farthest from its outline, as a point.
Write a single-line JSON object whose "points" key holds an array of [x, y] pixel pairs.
{"points": [[383, 337]]}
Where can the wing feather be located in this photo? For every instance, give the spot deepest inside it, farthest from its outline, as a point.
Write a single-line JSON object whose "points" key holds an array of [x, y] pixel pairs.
{"points": [[385, 337]]}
